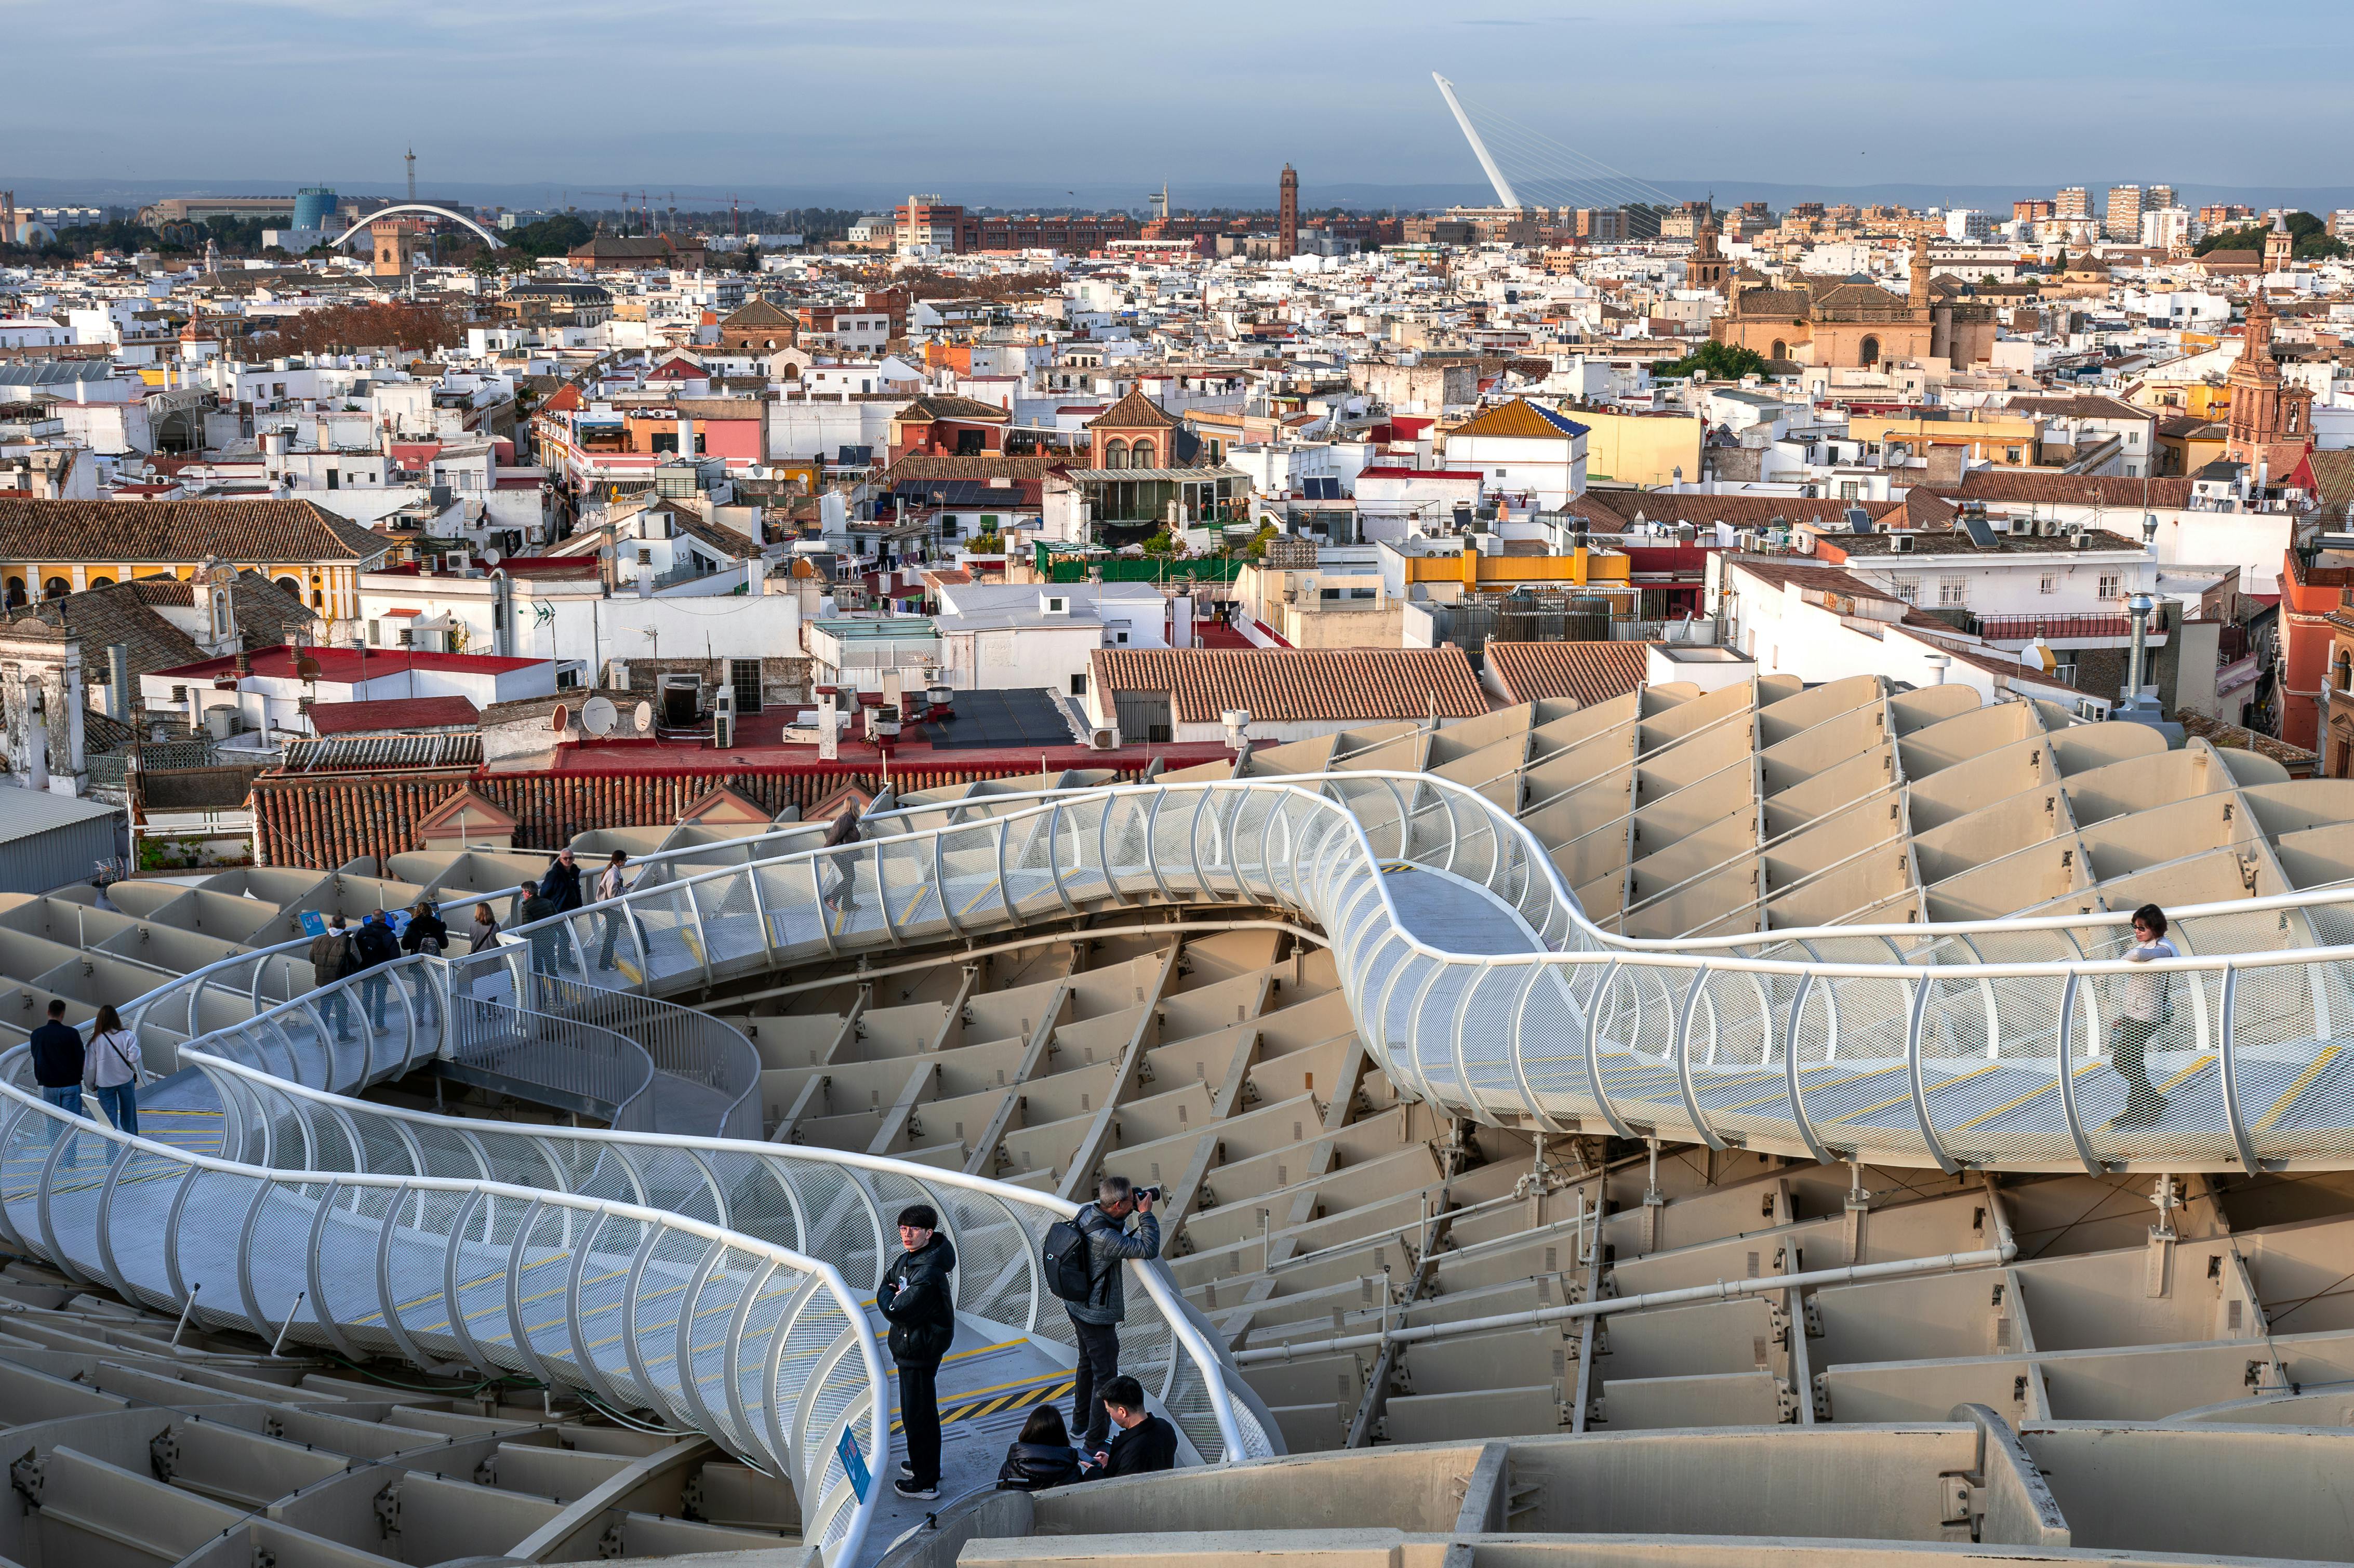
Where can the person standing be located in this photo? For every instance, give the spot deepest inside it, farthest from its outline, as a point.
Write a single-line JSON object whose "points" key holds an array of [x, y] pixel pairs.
{"points": [[114, 1070], [2145, 1010], [610, 884], [1146, 1443], [532, 906], [842, 892], [917, 1298], [58, 1059], [561, 888], [376, 946], [329, 956], [427, 937], [1095, 1322], [484, 930]]}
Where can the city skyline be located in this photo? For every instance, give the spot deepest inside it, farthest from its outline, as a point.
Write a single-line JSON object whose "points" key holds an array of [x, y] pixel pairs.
{"points": [[941, 97]]}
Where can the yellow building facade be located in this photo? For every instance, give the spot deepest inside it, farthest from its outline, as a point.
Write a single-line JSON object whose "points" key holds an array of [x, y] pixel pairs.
{"points": [[1643, 449]]}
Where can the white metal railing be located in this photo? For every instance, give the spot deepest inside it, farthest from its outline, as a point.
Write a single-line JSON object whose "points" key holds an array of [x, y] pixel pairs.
{"points": [[635, 1306]]}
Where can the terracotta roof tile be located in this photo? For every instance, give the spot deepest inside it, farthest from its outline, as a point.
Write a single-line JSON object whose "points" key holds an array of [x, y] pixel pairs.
{"points": [[1546, 671], [1133, 412], [1524, 420], [174, 531], [1284, 685]]}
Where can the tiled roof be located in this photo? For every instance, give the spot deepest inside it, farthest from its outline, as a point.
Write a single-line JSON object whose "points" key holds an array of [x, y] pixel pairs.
{"points": [[758, 312], [1612, 510], [175, 530], [1521, 419], [988, 465], [1546, 671], [1133, 412], [946, 406], [2069, 489], [1283, 685], [392, 714], [2333, 473]]}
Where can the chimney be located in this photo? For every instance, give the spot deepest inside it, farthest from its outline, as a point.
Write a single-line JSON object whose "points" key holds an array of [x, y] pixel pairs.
{"points": [[645, 578], [685, 437], [118, 682]]}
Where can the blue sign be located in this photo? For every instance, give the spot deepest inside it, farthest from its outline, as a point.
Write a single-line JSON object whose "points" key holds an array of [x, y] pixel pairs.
{"points": [[314, 923], [853, 1463]]}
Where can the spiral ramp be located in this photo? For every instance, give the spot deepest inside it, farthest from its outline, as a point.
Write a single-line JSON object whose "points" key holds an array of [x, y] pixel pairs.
{"points": [[1474, 1133]]}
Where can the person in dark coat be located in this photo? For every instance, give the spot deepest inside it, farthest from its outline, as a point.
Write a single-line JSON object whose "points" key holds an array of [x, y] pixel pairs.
{"points": [[530, 906], [373, 947], [1095, 1322], [1041, 1456], [427, 936], [561, 888], [842, 887], [1145, 1443], [58, 1062], [917, 1298]]}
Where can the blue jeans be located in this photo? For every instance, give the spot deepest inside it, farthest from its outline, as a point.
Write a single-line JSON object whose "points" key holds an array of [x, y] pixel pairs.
{"points": [[67, 1099], [120, 1103]]}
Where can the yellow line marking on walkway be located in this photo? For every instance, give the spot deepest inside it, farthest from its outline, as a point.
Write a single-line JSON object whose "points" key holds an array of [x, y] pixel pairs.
{"points": [[2304, 1082]]}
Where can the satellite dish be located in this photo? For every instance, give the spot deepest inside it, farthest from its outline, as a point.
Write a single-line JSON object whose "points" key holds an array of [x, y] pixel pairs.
{"points": [[642, 717], [598, 715], [562, 717], [605, 553], [492, 557], [307, 668]]}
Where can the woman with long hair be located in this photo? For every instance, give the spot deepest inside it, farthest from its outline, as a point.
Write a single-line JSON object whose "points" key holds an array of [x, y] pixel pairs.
{"points": [[1041, 1456], [115, 1068]]}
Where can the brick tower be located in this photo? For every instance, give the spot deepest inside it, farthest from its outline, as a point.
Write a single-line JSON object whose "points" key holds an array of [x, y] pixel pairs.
{"points": [[1286, 215]]}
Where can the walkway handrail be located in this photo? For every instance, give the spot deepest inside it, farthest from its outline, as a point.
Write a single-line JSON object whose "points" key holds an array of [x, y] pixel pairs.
{"points": [[796, 1371]]}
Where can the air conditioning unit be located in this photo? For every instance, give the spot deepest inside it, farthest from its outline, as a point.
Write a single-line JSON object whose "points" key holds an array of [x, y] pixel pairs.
{"points": [[2081, 540], [1902, 544]]}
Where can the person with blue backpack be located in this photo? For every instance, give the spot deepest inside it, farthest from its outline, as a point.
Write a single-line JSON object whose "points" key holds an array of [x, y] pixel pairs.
{"points": [[1083, 1256]]}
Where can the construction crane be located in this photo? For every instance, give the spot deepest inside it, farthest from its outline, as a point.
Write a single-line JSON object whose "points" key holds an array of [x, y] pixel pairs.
{"points": [[622, 196]]}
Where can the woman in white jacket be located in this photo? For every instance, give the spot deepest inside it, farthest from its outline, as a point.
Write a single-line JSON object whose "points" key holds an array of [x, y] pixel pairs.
{"points": [[114, 1069]]}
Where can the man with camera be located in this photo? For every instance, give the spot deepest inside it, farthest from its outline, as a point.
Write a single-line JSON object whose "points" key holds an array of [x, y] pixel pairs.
{"points": [[1095, 1322]]}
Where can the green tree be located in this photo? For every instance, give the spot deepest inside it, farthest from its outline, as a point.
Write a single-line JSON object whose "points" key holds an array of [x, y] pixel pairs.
{"points": [[1717, 361], [2313, 241], [1163, 543]]}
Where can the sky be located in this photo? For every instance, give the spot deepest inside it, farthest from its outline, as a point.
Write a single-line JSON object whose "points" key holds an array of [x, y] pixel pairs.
{"points": [[877, 96]]}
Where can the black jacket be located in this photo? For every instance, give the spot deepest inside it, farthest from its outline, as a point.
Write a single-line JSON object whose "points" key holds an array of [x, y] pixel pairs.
{"points": [[561, 886], [57, 1056], [1034, 1467], [1151, 1444], [917, 1298], [375, 943], [422, 927]]}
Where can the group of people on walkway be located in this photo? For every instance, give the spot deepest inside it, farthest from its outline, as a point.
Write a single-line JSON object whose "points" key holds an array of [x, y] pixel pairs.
{"points": [[1118, 1435], [560, 892]]}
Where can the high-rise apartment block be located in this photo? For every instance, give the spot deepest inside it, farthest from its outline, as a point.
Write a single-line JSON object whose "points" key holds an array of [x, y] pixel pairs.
{"points": [[2158, 196], [2073, 204], [2122, 217], [2031, 211]]}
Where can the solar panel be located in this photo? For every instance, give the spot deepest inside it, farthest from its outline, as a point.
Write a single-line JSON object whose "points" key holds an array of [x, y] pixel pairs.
{"points": [[1981, 533], [1859, 521]]}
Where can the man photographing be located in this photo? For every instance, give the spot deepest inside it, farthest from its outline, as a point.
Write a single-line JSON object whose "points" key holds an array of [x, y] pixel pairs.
{"points": [[1095, 1322]]}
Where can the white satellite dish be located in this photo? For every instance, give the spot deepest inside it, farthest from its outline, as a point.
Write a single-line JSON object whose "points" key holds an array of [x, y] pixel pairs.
{"points": [[605, 553], [641, 718], [598, 715], [492, 557]]}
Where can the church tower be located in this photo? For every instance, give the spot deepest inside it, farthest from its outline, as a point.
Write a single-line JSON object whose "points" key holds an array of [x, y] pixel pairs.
{"points": [[1705, 268], [2279, 246], [2271, 420]]}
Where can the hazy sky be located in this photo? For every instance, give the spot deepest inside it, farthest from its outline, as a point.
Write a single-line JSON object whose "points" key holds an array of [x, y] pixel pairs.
{"points": [[927, 93]]}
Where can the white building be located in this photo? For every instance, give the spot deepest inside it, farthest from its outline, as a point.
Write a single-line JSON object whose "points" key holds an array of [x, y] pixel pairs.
{"points": [[1522, 449]]}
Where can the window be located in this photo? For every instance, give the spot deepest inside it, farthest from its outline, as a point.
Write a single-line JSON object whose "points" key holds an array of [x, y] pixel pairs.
{"points": [[1850, 490], [1868, 351], [1079, 686], [1908, 591], [1119, 637], [179, 694], [1953, 592], [2048, 583], [376, 632], [2112, 585]]}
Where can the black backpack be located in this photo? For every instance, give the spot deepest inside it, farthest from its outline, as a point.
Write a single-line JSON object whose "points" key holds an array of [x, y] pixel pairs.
{"points": [[1067, 1255]]}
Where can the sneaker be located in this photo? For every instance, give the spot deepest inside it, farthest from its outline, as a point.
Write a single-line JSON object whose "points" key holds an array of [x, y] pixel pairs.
{"points": [[907, 1471], [914, 1493]]}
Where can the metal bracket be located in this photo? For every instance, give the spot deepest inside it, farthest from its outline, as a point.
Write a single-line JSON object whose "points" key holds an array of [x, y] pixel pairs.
{"points": [[387, 1513], [164, 1454]]}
